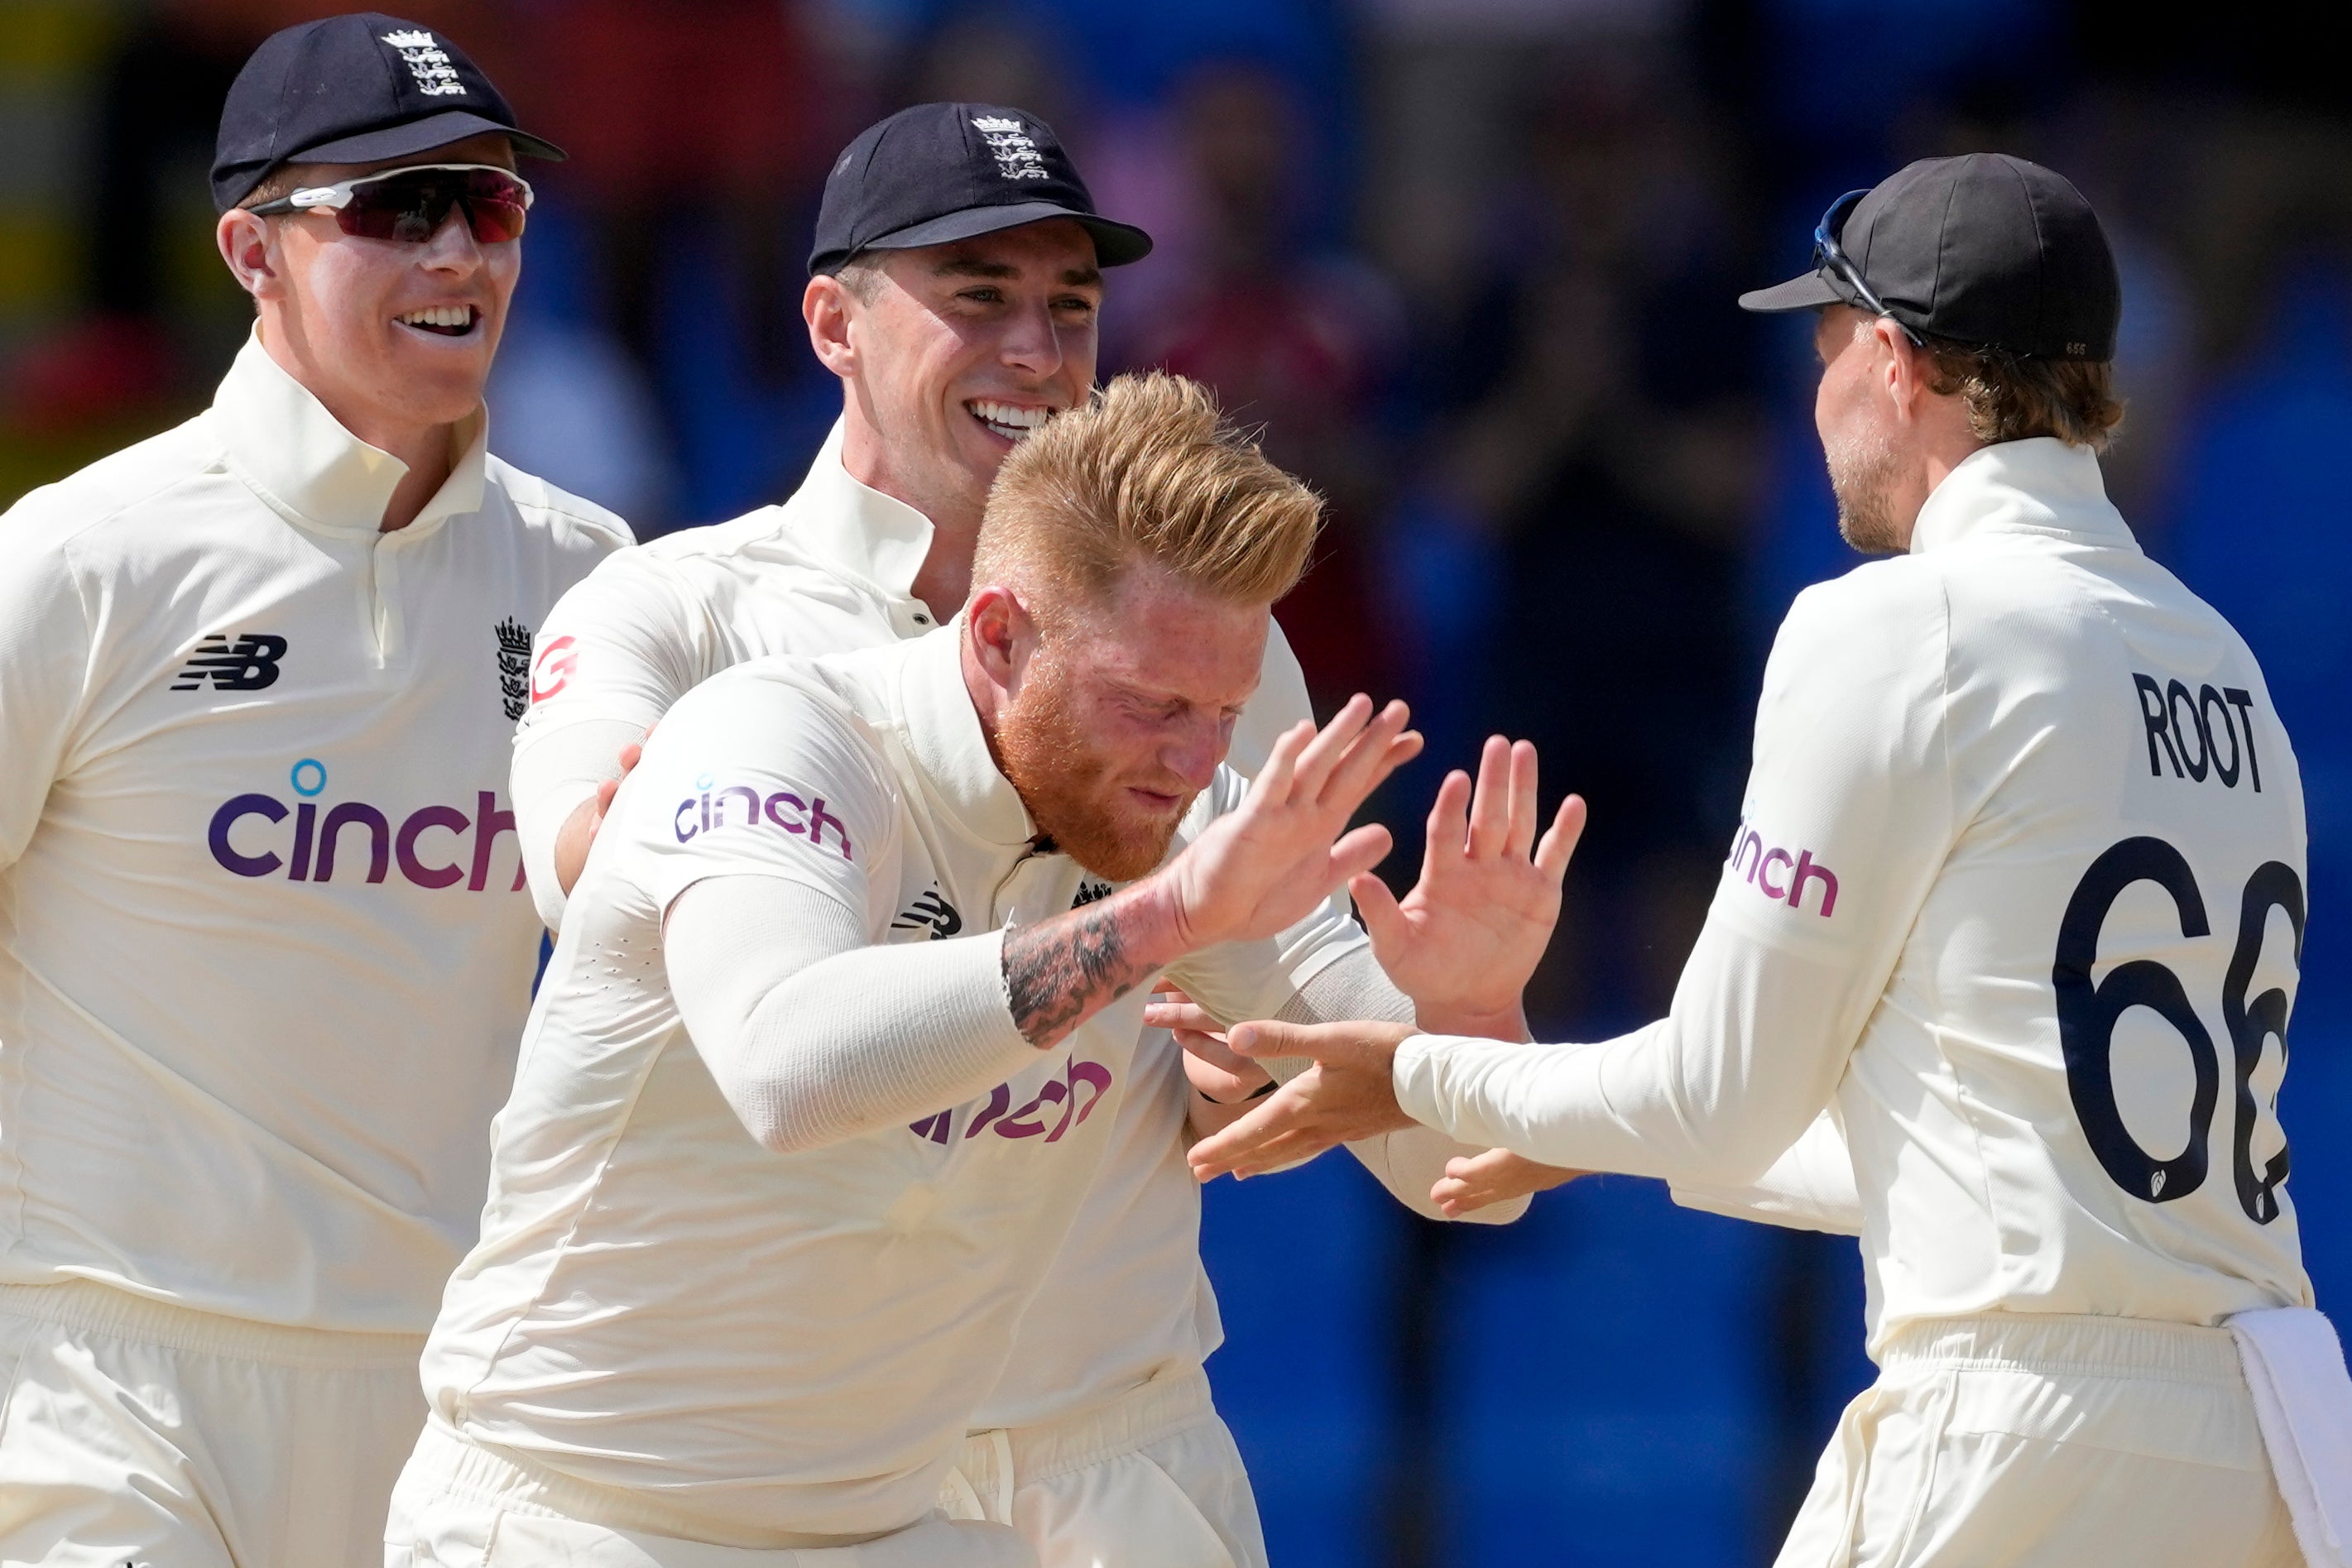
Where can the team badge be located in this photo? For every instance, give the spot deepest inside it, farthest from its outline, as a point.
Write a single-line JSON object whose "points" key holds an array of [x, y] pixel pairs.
{"points": [[428, 62], [1016, 151], [514, 666]]}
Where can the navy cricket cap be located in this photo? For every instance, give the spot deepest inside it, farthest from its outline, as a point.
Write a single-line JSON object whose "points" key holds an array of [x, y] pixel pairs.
{"points": [[944, 172], [1984, 249], [351, 89]]}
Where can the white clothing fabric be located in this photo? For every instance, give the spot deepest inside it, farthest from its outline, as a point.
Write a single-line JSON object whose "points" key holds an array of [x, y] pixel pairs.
{"points": [[774, 983], [2046, 1440], [830, 570], [1810, 1186], [459, 1505], [788, 1341], [1151, 1480], [133, 1431], [2303, 1398], [264, 946], [1996, 895]]}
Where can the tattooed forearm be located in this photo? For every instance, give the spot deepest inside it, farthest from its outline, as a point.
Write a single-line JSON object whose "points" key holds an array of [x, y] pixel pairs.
{"points": [[1063, 971]]}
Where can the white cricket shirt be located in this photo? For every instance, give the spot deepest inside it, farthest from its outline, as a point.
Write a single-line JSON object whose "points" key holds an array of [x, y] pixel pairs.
{"points": [[830, 570], [265, 948], [2018, 896], [784, 1344]]}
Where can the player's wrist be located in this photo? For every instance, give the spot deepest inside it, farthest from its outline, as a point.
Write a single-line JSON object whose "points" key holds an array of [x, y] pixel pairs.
{"points": [[1479, 1022], [1169, 907]]}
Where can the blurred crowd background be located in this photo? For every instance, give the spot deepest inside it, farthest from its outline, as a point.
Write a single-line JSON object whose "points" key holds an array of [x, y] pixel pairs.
{"points": [[1471, 262]]}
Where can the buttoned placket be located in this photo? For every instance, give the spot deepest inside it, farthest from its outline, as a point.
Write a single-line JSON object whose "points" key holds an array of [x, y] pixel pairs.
{"points": [[1022, 877]]}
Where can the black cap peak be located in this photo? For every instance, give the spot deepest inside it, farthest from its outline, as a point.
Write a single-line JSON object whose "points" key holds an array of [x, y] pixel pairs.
{"points": [[938, 172], [1983, 248]]}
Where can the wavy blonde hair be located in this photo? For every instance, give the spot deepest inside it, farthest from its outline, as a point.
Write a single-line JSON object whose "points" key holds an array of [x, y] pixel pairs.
{"points": [[1148, 471]]}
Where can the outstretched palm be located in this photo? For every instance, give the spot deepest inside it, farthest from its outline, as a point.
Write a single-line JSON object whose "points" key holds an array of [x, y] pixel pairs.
{"points": [[1468, 936], [1265, 866]]}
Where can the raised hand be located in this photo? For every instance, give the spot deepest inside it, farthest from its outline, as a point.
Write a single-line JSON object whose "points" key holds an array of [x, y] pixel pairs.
{"points": [[1253, 872], [1265, 865], [1464, 941]]}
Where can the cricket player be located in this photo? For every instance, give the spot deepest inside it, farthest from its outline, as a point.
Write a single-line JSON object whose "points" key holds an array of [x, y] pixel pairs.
{"points": [[265, 946], [846, 1002], [2017, 900], [957, 277]]}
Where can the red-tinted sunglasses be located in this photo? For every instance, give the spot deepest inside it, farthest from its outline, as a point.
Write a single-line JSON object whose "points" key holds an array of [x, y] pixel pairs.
{"points": [[411, 204]]}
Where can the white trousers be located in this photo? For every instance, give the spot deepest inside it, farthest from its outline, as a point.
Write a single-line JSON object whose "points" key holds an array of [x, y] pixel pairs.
{"points": [[1150, 1481], [460, 1505], [2048, 1442], [135, 1432]]}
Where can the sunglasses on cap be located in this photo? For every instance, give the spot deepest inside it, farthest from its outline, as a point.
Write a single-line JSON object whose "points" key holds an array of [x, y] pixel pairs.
{"points": [[1828, 253], [411, 204]]}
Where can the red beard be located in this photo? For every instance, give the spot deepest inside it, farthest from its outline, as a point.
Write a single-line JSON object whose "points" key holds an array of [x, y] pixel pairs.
{"points": [[1042, 746]]}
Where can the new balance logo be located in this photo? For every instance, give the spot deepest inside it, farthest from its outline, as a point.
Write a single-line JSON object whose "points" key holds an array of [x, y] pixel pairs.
{"points": [[247, 664], [933, 911]]}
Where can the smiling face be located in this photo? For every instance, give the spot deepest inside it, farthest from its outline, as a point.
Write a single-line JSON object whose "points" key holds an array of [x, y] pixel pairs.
{"points": [[1118, 713], [394, 338], [956, 351]]}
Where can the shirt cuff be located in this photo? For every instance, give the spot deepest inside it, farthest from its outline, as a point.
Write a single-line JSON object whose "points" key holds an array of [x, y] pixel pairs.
{"points": [[1414, 1076]]}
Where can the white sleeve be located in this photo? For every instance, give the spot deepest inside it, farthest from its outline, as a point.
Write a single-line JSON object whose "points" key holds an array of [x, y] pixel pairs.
{"points": [[1850, 816], [1809, 1187], [618, 649], [45, 660], [554, 775], [814, 1036]]}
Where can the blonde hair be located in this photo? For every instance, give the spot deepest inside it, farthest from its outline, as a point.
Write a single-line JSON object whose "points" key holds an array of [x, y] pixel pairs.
{"points": [[2010, 397], [1148, 471]]}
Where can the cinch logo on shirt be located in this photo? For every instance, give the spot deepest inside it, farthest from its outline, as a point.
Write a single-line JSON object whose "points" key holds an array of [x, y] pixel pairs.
{"points": [[1030, 1120], [1765, 865], [311, 854], [709, 812]]}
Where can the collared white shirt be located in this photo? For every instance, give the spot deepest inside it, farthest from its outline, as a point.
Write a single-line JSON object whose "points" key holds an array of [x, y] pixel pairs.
{"points": [[789, 1344], [830, 570], [2017, 897], [263, 944]]}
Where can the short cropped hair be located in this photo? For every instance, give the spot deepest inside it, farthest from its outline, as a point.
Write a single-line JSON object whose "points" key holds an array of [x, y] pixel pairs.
{"points": [[1148, 471], [280, 182], [2013, 396]]}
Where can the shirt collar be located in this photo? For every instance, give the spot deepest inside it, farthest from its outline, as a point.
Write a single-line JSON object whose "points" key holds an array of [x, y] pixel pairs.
{"points": [[856, 529], [2039, 485], [282, 443], [944, 736]]}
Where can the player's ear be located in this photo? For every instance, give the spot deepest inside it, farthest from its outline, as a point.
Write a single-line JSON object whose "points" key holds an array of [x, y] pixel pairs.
{"points": [[1906, 367], [996, 631], [825, 307], [253, 261]]}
